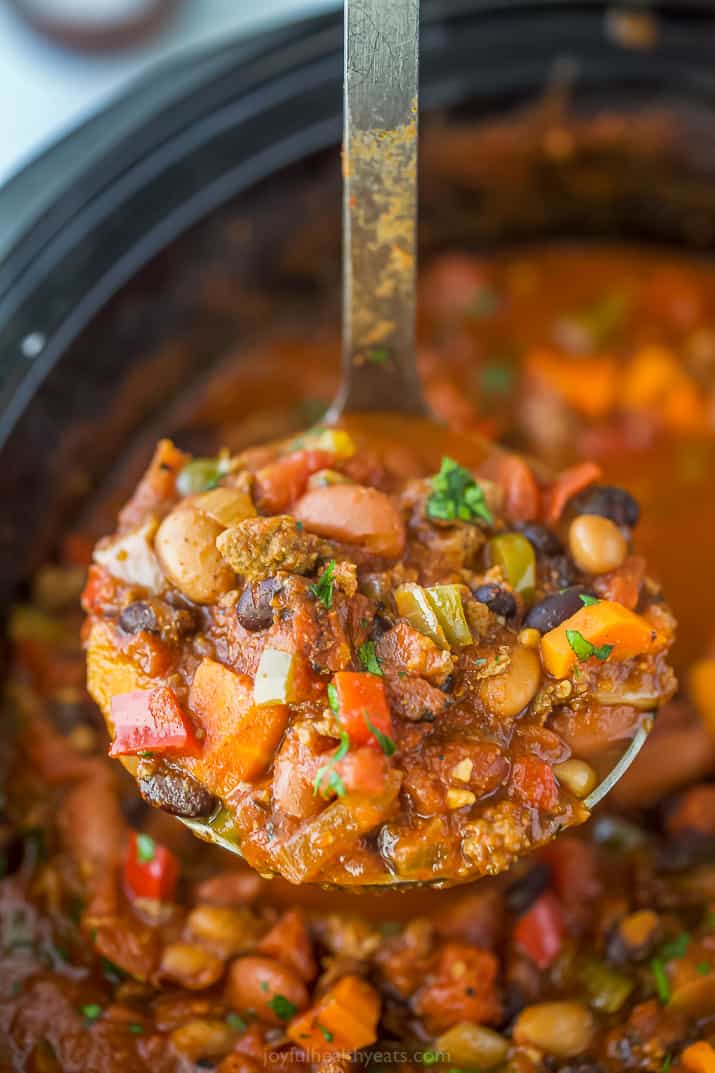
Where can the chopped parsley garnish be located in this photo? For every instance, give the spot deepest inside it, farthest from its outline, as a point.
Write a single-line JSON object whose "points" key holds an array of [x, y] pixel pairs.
{"points": [[384, 741], [584, 649], [323, 588], [379, 355], [325, 1033], [334, 781], [236, 1022], [676, 948], [709, 921], [586, 600], [283, 1007], [704, 968], [667, 1062], [146, 848], [136, 1029], [92, 1011], [456, 496], [660, 976], [264, 986], [368, 658], [333, 698]]}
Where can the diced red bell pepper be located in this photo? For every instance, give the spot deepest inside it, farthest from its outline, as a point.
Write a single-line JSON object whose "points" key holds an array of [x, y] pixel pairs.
{"points": [[534, 783], [361, 702], [151, 720], [363, 771], [98, 591], [150, 870], [280, 483], [540, 931]]}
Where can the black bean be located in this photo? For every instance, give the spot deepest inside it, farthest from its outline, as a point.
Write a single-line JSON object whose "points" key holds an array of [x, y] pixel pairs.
{"points": [[608, 501], [177, 793], [254, 608], [137, 617], [521, 895], [497, 599], [514, 1001], [561, 571], [381, 625], [541, 539], [555, 609], [12, 852]]}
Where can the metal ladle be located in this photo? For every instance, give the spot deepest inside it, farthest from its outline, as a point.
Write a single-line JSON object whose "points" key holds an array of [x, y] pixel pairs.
{"points": [[379, 373]]}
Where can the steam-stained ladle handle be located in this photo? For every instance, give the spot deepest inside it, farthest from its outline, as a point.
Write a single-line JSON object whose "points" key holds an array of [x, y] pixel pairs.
{"points": [[379, 208]]}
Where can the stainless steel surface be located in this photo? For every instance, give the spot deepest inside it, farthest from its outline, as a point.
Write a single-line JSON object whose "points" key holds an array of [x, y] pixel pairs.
{"points": [[380, 207]]}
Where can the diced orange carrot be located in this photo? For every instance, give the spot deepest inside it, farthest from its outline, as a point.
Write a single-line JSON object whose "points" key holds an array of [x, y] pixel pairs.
{"points": [[344, 1019], [699, 1058], [240, 736], [623, 585], [656, 381], [566, 485], [653, 372], [604, 623], [589, 385], [702, 691]]}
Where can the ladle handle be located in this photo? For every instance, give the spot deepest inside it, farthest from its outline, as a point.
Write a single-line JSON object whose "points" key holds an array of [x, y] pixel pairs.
{"points": [[379, 207]]}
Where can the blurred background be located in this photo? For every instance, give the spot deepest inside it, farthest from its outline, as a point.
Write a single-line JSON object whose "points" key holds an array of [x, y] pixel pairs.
{"points": [[61, 60]]}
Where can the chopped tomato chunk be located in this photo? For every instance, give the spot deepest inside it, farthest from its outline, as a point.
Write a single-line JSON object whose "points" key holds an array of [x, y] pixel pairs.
{"points": [[150, 870], [280, 483], [540, 931], [151, 720], [363, 771], [463, 987], [566, 485], [362, 707], [534, 782]]}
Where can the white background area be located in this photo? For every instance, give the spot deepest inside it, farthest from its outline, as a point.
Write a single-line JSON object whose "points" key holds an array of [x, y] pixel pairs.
{"points": [[45, 90]]}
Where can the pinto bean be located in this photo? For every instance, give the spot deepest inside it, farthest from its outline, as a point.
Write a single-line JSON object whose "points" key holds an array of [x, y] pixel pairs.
{"points": [[507, 694], [190, 966], [203, 1038], [186, 547], [264, 985], [562, 1029], [225, 931], [596, 544], [354, 514]]}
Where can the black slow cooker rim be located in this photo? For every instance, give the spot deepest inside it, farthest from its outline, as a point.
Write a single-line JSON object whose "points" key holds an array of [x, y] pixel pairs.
{"points": [[46, 299]]}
